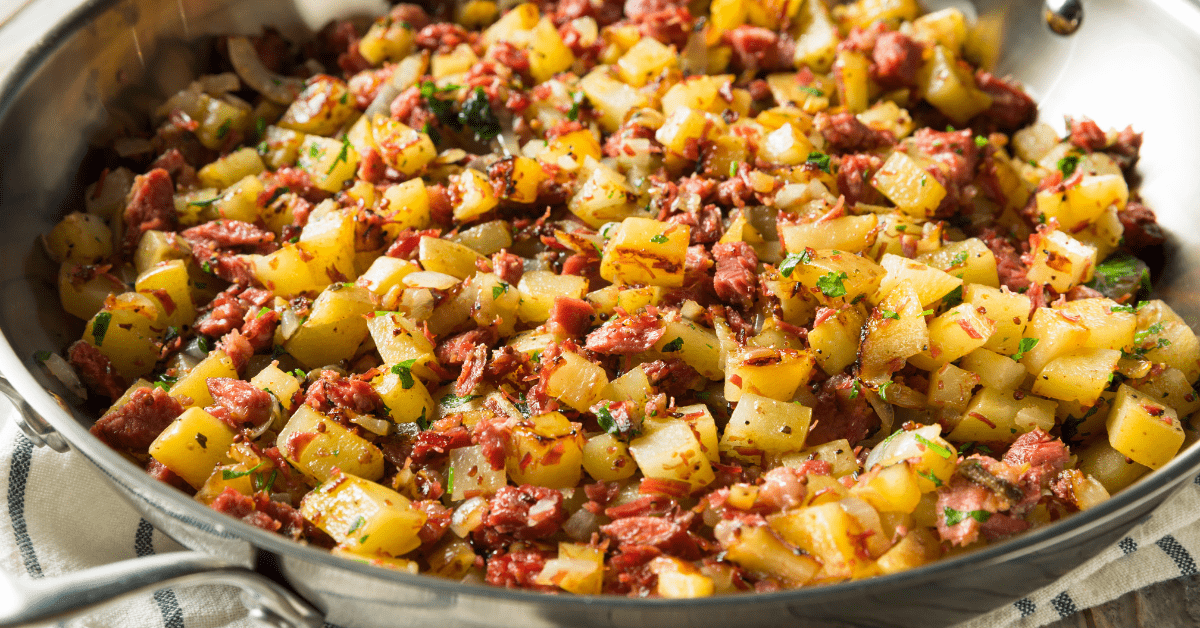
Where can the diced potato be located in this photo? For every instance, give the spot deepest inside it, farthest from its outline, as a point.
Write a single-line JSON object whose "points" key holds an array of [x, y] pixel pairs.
{"points": [[853, 234], [1061, 261], [405, 396], [759, 550], [892, 488], [695, 344], [679, 580], [760, 425], [277, 382], [969, 260], [1109, 325], [82, 290], [79, 238], [605, 196], [612, 99], [399, 340], [576, 381], [1173, 343], [386, 40], [1112, 468], [539, 289], [318, 446], [994, 370], [700, 419], [230, 169], [961, 330], [1147, 432], [546, 450], [606, 458], [406, 206], [824, 531], [645, 60], [997, 415], [1170, 388], [950, 88], [191, 390], [838, 453], [218, 120], [950, 387], [930, 456], [405, 149], [772, 373], [363, 516], [444, 256], [786, 146], [168, 284], [335, 327], [1009, 311], [918, 547], [322, 108], [329, 162], [548, 55], [851, 69], [668, 449], [281, 146], [863, 13], [834, 340], [1080, 375], [929, 283], [471, 474], [286, 272], [646, 251], [1052, 334], [887, 340], [126, 331], [909, 186], [947, 27], [836, 277], [386, 273], [193, 445], [817, 45], [578, 569]]}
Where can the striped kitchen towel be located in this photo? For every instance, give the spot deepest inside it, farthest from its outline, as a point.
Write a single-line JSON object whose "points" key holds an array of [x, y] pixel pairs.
{"points": [[60, 516]]}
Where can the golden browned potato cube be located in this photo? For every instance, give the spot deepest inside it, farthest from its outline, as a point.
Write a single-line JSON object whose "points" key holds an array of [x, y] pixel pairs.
{"points": [[230, 169], [611, 98], [1009, 310], [1112, 468], [994, 370], [998, 415], [126, 331], [606, 458], [318, 446], [548, 55], [399, 340], [853, 234], [646, 251], [851, 69], [969, 260], [323, 108], [1061, 261], [863, 13], [961, 330], [950, 88], [192, 389], [578, 569], [694, 344], [929, 283], [335, 327], [168, 284], [444, 256], [766, 372], [834, 339], [645, 60], [786, 146], [405, 396], [605, 196], [546, 450], [759, 550], [890, 340], [364, 517], [330, 163], [1080, 375], [824, 531], [1110, 325], [281, 384], [1050, 334], [892, 488], [902, 180], [575, 381], [79, 238], [950, 387], [539, 289], [386, 40], [668, 449], [1147, 432], [472, 195], [406, 206], [193, 445], [282, 146], [1170, 388], [761, 425], [838, 453]]}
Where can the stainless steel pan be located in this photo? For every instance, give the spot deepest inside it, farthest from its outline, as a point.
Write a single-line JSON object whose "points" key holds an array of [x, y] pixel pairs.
{"points": [[1133, 61]]}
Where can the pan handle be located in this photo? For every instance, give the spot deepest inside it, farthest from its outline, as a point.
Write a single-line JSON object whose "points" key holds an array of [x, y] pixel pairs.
{"points": [[53, 599]]}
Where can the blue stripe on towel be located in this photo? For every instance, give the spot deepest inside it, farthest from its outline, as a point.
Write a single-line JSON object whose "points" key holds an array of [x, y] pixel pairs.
{"points": [[168, 604], [18, 478]]}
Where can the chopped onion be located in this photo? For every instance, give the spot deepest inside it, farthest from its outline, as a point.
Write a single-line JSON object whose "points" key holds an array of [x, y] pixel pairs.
{"points": [[468, 516], [691, 310], [418, 302], [887, 417], [430, 279], [868, 519], [451, 156], [406, 74], [902, 446], [274, 87], [694, 59], [65, 373], [289, 322], [371, 424], [220, 84]]}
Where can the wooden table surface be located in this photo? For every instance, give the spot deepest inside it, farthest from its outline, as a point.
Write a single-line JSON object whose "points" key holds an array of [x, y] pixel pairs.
{"points": [[1170, 604]]}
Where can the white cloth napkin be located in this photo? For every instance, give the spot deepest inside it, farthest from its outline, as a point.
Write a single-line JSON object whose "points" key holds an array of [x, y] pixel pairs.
{"points": [[59, 515]]}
